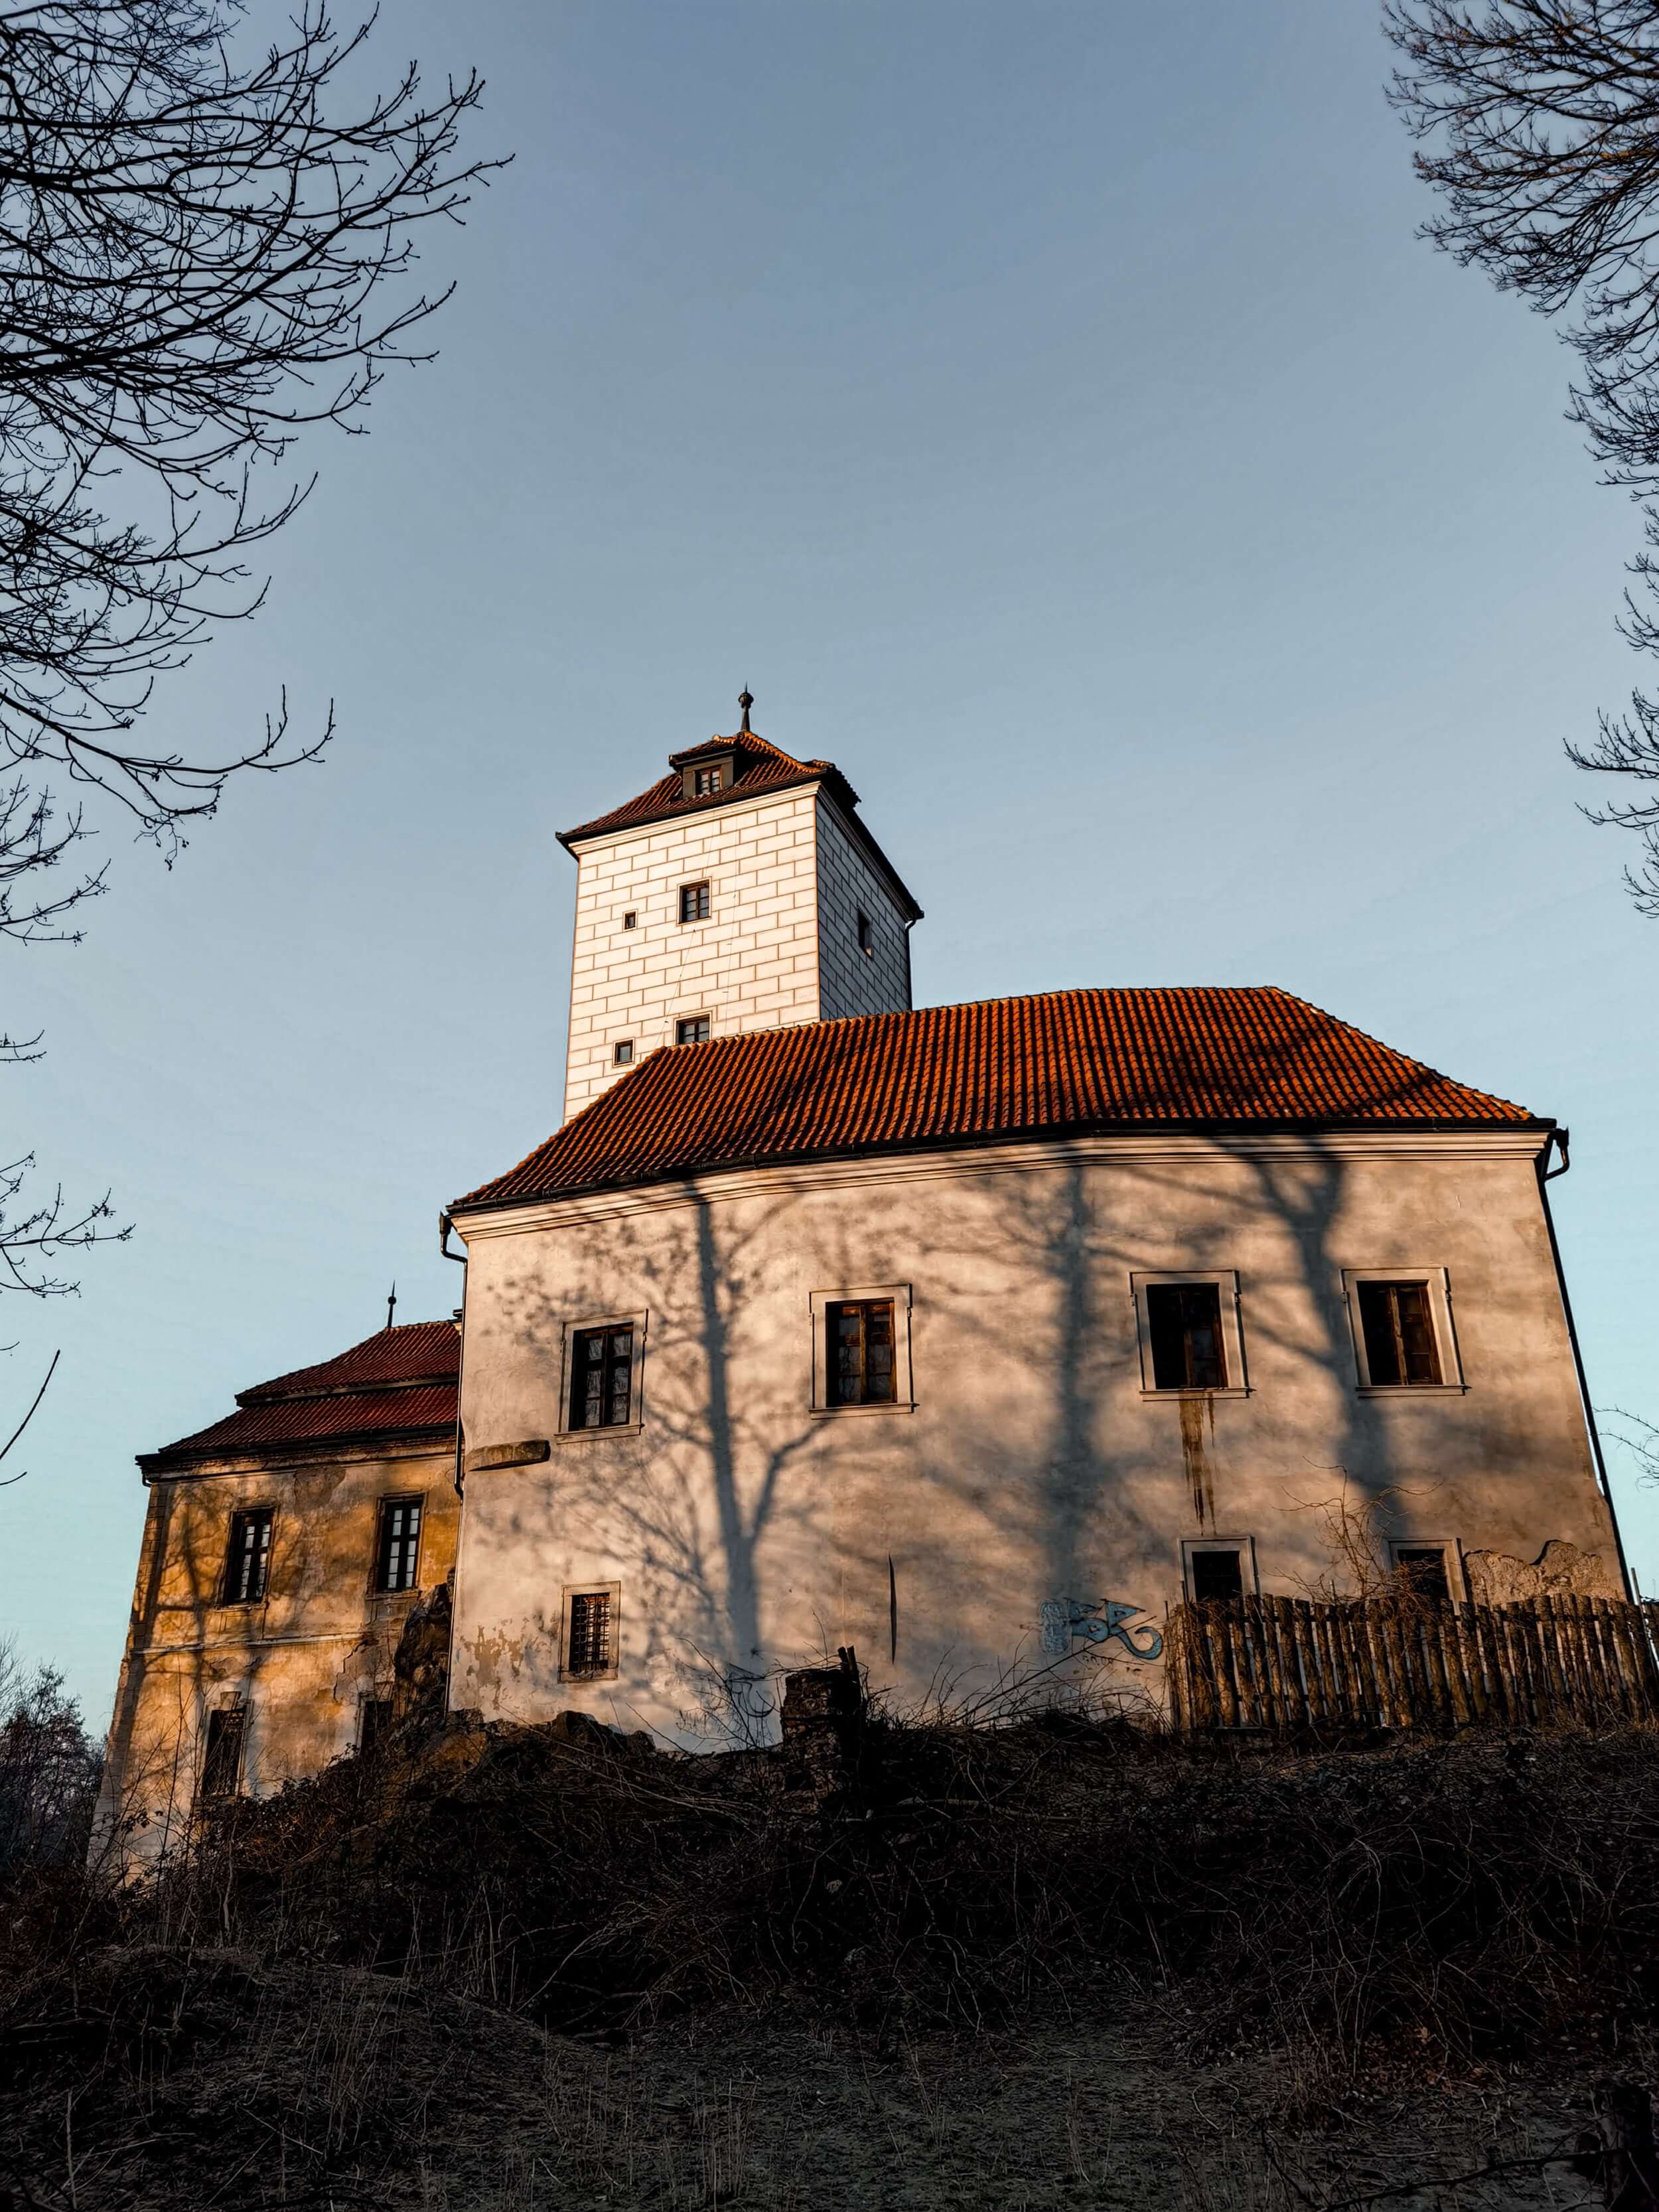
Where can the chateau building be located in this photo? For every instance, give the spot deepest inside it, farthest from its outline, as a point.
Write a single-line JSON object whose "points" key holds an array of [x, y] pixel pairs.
{"points": [[974, 1336]]}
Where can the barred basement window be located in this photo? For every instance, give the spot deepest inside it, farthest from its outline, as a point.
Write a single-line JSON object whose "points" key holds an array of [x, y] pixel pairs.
{"points": [[859, 1352], [398, 1553], [1183, 1321], [601, 1378], [694, 1029], [222, 1763], [248, 1562], [1399, 1330], [590, 1642], [693, 901]]}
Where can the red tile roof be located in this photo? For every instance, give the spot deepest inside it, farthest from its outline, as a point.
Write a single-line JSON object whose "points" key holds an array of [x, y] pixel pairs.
{"points": [[761, 765], [414, 1351], [398, 1382], [1063, 1064]]}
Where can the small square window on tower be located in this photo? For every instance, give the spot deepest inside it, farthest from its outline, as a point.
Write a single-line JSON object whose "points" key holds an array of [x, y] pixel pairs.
{"points": [[247, 1557], [867, 937], [693, 901], [623, 1052], [631, 920], [692, 1029]]}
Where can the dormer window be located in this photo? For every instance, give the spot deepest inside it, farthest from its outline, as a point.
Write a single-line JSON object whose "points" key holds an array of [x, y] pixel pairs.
{"points": [[708, 779]]}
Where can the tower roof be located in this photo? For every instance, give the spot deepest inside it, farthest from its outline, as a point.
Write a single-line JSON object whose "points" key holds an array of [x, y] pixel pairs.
{"points": [[1064, 1063], [758, 766]]}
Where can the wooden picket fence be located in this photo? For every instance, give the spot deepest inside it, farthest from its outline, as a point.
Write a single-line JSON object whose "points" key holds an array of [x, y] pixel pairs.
{"points": [[1289, 1665]]}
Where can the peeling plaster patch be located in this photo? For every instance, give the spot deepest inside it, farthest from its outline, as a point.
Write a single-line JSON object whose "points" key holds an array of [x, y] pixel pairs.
{"points": [[1193, 1411], [1560, 1570], [489, 1649], [361, 1668]]}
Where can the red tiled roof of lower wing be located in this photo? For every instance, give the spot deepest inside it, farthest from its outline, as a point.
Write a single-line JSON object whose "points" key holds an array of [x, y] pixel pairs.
{"points": [[415, 1351], [358, 1416], [766, 766], [1066, 1062]]}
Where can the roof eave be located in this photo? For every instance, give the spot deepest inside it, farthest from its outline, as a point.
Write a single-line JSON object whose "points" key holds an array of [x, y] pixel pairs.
{"points": [[1541, 1124]]}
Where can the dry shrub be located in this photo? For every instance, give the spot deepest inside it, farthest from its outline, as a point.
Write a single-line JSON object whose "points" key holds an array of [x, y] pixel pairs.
{"points": [[1478, 1897]]}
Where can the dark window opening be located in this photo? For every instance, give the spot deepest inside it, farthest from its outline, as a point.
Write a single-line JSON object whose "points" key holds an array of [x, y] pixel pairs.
{"points": [[374, 1726], [693, 1030], [591, 1638], [630, 920], [1216, 1576], [222, 1765], [693, 901], [1183, 1321], [1422, 1568], [861, 1349], [705, 781], [601, 1378], [1399, 1332], [867, 936], [622, 1053], [248, 1562], [398, 1552]]}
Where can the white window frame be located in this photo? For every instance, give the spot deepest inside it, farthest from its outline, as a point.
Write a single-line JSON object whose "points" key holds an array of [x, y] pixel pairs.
{"points": [[1445, 1334], [564, 1433], [1243, 1546], [1450, 1547], [1226, 1280], [903, 1399], [613, 1591]]}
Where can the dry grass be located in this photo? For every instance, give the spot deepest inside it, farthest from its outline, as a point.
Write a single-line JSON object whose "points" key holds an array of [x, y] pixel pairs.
{"points": [[372, 1984]]}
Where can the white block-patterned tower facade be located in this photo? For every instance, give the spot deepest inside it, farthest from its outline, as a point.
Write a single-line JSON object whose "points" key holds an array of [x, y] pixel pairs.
{"points": [[742, 891]]}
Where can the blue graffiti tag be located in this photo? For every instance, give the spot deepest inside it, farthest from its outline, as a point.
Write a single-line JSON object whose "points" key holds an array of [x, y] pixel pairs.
{"points": [[1062, 1619]]}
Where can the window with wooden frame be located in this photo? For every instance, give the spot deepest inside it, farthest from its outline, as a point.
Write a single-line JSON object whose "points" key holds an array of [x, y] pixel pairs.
{"points": [[222, 1755], [631, 920], [705, 781], [589, 1639], [600, 1387], [692, 1029], [694, 903], [1189, 1334], [397, 1544], [247, 1557], [1403, 1337], [622, 1053], [861, 1350]]}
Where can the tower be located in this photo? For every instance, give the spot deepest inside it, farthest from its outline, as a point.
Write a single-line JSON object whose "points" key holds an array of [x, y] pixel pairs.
{"points": [[741, 891]]}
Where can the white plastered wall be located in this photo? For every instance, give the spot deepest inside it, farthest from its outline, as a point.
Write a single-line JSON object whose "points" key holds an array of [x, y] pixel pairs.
{"points": [[752, 964], [748, 1533]]}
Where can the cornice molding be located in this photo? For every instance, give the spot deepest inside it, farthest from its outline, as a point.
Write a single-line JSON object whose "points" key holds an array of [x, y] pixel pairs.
{"points": [[1028, 1157]]}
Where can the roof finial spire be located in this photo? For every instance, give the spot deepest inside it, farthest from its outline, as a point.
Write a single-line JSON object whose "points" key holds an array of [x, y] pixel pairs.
{"points": [[745, 699], [392, 1305]]}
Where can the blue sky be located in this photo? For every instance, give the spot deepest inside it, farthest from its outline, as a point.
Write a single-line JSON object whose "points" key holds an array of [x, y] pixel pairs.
{"points": [[1051, 413]]}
